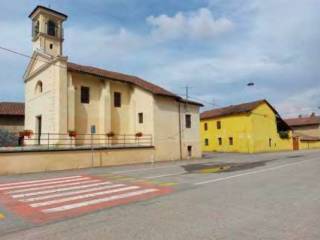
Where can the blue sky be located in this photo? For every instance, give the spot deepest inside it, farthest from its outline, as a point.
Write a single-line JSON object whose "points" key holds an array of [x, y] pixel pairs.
{"points": [[214, 46]]}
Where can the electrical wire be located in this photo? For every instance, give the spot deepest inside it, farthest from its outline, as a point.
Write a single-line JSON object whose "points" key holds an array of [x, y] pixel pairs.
{"points": [[30, 57]]}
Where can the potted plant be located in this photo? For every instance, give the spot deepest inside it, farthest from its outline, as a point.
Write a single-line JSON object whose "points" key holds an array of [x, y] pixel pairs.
{"points": [[139, 134], [72, 133], [110, 134], [26, 133]]}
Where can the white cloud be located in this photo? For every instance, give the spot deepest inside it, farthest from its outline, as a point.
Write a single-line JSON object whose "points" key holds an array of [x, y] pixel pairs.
{"points": [[304, 103], [200, 24]]}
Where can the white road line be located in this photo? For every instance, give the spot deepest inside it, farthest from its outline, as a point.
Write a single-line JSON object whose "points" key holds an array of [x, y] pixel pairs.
{"points": [[23, 195], [37, 181], [99, 200], [54, 186], [43, 184], [142, 169], [253, 172], [71, 193], [89, 195], [165, 175]]}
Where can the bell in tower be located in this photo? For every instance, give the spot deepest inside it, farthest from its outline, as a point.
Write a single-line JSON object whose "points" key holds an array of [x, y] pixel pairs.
{"points": [[47, 30]]}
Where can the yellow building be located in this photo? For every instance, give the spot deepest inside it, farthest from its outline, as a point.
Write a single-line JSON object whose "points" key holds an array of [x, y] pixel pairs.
{"points": [[61, 96], [248, 128]]}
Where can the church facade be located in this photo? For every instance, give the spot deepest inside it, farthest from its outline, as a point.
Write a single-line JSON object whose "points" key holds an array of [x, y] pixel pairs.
{"points": [[62, 97]]}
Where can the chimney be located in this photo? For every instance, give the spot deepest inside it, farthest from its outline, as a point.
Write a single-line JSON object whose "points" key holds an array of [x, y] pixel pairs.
{"points": [[313, 114], [300, 115]]}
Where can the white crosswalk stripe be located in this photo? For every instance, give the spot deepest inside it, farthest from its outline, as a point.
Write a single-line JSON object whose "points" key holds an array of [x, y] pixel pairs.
{"points": [[89, 195], [59, 190], [53, 186], [96, 201], [42, 184], [38, 181], [71, 193], [55, 195]]}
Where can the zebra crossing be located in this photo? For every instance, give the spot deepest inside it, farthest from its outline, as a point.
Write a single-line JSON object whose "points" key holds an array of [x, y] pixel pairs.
{"points": [[59, 198]]}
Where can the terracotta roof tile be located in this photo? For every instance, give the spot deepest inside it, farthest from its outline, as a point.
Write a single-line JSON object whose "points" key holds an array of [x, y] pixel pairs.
{"points": [[304, 137], [303, 121], [12, 108], [120, 77], [232, 110], [73, 67]]}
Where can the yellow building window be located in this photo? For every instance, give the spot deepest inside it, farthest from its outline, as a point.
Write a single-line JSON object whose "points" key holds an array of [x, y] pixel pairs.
{"points": [[218, 125], [230, 141], [220, 141], [206, 126], [206, 142]]}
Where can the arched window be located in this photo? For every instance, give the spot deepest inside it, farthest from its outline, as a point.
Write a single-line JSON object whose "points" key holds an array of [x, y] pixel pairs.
{"points": [[51, 28], [39, 87]]}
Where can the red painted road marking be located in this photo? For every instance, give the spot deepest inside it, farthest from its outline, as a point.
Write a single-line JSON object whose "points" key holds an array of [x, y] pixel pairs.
{"points": [[71, 196]]}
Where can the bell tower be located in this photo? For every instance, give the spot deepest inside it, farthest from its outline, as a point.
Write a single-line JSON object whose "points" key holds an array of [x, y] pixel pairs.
{"points": [[47, 30]]}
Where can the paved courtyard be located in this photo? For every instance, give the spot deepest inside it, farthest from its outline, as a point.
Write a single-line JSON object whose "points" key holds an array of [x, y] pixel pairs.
{"points": [[222, 196]]}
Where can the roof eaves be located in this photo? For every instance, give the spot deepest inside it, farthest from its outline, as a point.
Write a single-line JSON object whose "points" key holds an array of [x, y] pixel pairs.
{"points": [[47, 9]]}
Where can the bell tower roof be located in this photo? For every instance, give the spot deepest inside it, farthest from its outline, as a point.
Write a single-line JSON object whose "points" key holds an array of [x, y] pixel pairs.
{"points": [[39, 8]]}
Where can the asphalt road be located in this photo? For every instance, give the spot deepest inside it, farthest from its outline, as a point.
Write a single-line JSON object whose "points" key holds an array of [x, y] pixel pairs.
{"points": [[223, 196]]}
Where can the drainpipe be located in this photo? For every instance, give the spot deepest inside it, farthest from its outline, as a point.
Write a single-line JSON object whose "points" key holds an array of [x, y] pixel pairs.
{"points": [[180, 130]]}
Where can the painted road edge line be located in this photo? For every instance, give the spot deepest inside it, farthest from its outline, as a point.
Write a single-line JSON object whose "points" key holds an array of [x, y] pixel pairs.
{"points": [[165, 175], [251, 173]]}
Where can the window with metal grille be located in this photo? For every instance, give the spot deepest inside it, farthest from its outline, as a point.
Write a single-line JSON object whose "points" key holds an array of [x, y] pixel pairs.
{"points": [[85, 95], [206, 142], [140, 116], [117, 99], [188, 121]]}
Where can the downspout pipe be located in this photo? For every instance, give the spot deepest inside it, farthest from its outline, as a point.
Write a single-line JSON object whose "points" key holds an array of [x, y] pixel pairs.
{"points": [[180, 131]]}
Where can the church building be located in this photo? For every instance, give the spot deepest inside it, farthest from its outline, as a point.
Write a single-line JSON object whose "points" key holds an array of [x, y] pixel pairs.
{"points": [[63, 97]]}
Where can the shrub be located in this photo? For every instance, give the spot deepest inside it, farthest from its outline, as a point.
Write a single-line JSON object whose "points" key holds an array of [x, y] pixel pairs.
{"points": [[284, 134], [8, 139]]}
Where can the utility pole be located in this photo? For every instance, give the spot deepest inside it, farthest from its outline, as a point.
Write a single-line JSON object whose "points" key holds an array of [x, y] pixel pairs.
{"points": [[187, 98]]}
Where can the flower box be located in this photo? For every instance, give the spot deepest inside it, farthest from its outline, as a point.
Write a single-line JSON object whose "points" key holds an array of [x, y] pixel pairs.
{"points": [[139, 134], [72, 134], [26, 133], [110, 134]]}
